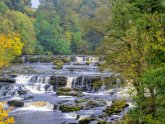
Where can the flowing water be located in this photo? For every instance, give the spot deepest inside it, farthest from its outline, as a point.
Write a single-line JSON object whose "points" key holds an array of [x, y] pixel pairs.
{"points": [[33, 87]]}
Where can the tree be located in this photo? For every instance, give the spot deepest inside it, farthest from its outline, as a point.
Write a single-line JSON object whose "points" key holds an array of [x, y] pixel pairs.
{"points": [[133, 43], [10, 47], [22, 24]]}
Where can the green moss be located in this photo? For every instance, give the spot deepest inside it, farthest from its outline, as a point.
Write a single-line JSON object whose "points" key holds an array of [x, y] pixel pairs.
{"points": [[17, 60], [64, 89], [86, 120], [45, 59], [33, 60], [58, 64], [68, 92], [81, 100], [66, 60], [116, 107], [87, 63], [97, 85], [103, 122], [68, 108]]}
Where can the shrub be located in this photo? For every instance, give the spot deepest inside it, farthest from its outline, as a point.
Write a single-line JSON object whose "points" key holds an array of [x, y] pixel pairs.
{"points": [[4, 117]]}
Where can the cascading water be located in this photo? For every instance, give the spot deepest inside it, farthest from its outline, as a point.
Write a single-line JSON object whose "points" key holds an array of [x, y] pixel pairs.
{"points": [[39, 105], [39, 84], [79, 59], [35, 83], [91, 59], [69, 82], [23, 59], [26, 83]]}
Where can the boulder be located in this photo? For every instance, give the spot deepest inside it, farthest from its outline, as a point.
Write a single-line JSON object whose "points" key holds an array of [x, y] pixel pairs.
{"points": [[7, 79], [68, 92], [16, 103], [69, 108], [59, 81]]}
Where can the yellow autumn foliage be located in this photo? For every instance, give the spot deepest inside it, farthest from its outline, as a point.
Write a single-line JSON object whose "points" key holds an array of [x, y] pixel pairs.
{"points": [[10, 47], [4, 117]]}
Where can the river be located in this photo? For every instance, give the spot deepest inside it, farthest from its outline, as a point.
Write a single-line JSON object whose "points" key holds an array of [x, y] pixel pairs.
{"points": [[36, 85]]}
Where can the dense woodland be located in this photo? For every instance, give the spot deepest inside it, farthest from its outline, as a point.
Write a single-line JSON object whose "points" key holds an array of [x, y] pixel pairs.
{"points": [[129, 33], [56, 27]]}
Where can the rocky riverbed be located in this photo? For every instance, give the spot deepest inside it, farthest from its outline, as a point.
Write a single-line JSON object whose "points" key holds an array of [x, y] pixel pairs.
{"points": [[77, 92]]}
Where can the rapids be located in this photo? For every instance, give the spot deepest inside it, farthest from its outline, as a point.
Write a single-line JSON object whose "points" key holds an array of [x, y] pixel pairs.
{"points": [[36, 85]]}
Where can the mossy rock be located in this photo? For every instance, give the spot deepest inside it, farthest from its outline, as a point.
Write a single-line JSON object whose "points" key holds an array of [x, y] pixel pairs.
{"points": [[87, 63], [64, 89], [81, 100], [61, 93], [66, 60], [97, 85], [17, 60], [104, 122], [86, 120], [58, 64], [33, 60], [45, 59], [68, 108], [116, 107]]}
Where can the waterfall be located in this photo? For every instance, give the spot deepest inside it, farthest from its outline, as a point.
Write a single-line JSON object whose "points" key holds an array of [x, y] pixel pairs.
{"points": [[74, 82], [35, 84], [79, 59], [8, 90], [23, 59], [91, 59], [82, 82], [39, 105], [69, 82], [40, 84], [23, 79]]}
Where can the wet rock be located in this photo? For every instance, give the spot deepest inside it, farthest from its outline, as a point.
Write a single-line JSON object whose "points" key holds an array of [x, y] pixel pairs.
{"points": [[18, 60], [103, 122], [16, 103], [58, 64], [7, 80], [59, 81], [69, 108], [86, 120], [22, 92], [34, 59], [29, 98], [56, 107], [45, 59], [93, 103], [68, 92], [116, 107]]}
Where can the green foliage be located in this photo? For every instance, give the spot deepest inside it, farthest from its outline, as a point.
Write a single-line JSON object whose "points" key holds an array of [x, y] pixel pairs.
{"points": [[116, 107], [67, 33], [48, 35], [3, 7], [24, 25], [134, 47]]}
